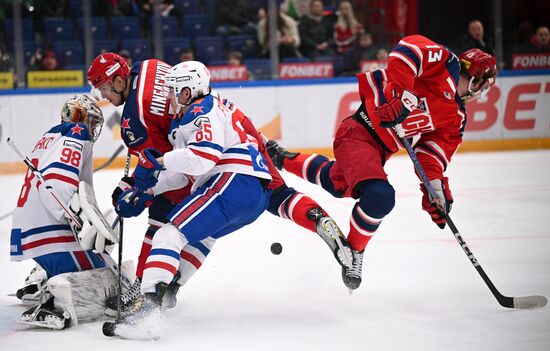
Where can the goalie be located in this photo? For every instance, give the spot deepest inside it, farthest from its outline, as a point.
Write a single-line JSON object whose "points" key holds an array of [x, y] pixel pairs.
{"points": [[75, 281]]}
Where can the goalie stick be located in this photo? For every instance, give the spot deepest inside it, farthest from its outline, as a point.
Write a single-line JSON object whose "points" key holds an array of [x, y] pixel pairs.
{"points": [[534, 301], [75, 218], [107, 163]]}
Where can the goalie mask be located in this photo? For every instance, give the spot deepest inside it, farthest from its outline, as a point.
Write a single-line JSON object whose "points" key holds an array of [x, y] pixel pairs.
{"points": [[81, 109]]}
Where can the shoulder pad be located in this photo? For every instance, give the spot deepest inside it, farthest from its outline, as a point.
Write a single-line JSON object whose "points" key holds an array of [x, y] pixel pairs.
{"points": [[73, 130], [197, 109]]}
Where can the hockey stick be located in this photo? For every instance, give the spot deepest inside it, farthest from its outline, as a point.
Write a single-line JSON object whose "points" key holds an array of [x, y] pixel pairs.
{"points": [[120, 242], [534, 301], [110, 159], [77, 220], [99, 168]]}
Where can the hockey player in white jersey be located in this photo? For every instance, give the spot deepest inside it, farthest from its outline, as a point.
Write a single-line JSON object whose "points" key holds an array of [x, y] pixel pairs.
{"points": [[41, 230], [230, 179]]}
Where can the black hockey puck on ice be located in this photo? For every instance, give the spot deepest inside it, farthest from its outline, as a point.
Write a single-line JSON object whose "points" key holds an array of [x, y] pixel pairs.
{"points": [[276, 248], [109, 328]]}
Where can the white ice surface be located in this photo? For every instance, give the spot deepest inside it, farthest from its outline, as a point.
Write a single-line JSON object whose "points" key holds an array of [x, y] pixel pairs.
{"points": [[419, 291]]}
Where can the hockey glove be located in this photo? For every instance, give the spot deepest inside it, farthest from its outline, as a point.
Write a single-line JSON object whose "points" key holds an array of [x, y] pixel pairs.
{"points": [[124, 184], [396, 109], [444, 201], [148, 169], [130, 205]]}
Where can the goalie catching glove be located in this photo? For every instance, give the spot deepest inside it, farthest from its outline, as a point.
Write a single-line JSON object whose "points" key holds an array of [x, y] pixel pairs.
{"points": [[93, 232], [445, 199]]}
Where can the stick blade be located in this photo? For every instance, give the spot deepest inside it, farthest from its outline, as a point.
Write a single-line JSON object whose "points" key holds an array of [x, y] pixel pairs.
{"points": [[527, 302]]}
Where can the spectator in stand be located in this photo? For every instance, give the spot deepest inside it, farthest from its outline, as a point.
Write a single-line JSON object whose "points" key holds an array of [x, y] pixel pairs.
{"points": [[287, 36], [7, 64], [44, 61], [316, 32], [234, 58], [347, 29], [365, 49], [233, 18], [476, 38], [127, 56], [187, 54], [382, 55], [122, 7], [540, 42], [52, 8]]}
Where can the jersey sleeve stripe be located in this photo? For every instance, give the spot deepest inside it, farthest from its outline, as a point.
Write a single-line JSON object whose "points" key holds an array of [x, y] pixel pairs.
{"points": [[142, 79], [45, 229], [207, 144], [62, 166], [407, 61], [62, 178], [54, 240], [235, 161], [205, 155]]}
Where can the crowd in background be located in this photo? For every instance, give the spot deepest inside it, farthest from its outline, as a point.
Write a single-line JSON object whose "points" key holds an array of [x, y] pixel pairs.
{"points": [[307, 30]]}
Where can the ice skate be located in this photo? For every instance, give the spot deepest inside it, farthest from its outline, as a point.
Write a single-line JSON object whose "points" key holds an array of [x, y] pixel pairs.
{"points": [[126, 299], [170, 297], [277, 153], [331, 234], [46, 316], [352, 276]]}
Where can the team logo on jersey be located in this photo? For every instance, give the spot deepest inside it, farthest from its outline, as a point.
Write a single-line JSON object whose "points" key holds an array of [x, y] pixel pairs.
{"points": [[77, 129], [197, 109], [73, 144], [199, 121], [125, 123], [130, 135]]}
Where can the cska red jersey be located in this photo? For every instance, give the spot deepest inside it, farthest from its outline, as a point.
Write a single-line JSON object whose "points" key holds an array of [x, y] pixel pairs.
{"points": [[146, 117], [431, 72]]}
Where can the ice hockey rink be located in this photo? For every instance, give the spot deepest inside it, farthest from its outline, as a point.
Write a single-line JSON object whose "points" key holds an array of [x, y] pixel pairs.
{"points": [[419, 291]]}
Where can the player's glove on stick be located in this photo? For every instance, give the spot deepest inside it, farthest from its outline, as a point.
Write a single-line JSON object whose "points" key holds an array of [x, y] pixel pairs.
{"points": [[441, 187], [396, 109], [148, 169], [124, 184], [129, 205]]}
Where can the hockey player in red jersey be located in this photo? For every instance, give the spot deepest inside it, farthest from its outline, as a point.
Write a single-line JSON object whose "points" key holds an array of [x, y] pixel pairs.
{"points": [[443, 83]]}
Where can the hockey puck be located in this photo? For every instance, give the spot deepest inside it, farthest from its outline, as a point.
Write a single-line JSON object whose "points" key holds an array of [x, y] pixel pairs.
{"points": [[276, 248], [109, 328]]}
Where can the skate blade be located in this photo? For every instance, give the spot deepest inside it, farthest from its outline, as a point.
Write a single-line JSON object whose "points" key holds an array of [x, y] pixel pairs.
{"points": [[44, 325], [335, 235]]}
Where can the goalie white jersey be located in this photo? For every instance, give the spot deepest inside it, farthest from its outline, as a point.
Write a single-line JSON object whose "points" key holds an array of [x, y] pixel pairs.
{"points": [[39, 227]]}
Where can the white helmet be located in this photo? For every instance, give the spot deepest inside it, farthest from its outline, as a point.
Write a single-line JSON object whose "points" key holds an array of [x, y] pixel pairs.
{"points": [[189, 74], [82, 109]]}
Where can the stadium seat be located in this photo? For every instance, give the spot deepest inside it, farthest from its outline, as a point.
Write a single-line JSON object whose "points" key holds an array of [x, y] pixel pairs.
{"points": [[188, 7], [259, 68], [58, 29], [104, 46], [74, 67], [69, 52], [169, 27], [209, 49], [140, 49], [295, 60], [28, 31], [210, 8], [172, 48], [29, 48], [124, 28], [196, 26], [245, 44], [99, 28], [218, 63]]}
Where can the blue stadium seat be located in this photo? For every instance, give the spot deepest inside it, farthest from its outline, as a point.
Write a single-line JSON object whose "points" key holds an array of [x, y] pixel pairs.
{"points": [[101, 46], [196, 26], [218, 63], [99, 28], [209, 49], [245, 44], [140, 49], [74, 67], [172, 48], [169, 27], [69, 52], [188, 7], [125, 28], [259, 68], [295, 60], [29, 48], [28, 31], [58, 29]]}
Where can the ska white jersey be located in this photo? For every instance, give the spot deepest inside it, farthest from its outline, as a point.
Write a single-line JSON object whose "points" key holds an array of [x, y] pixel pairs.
{"points": [[208, 140], [64, 157]]}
